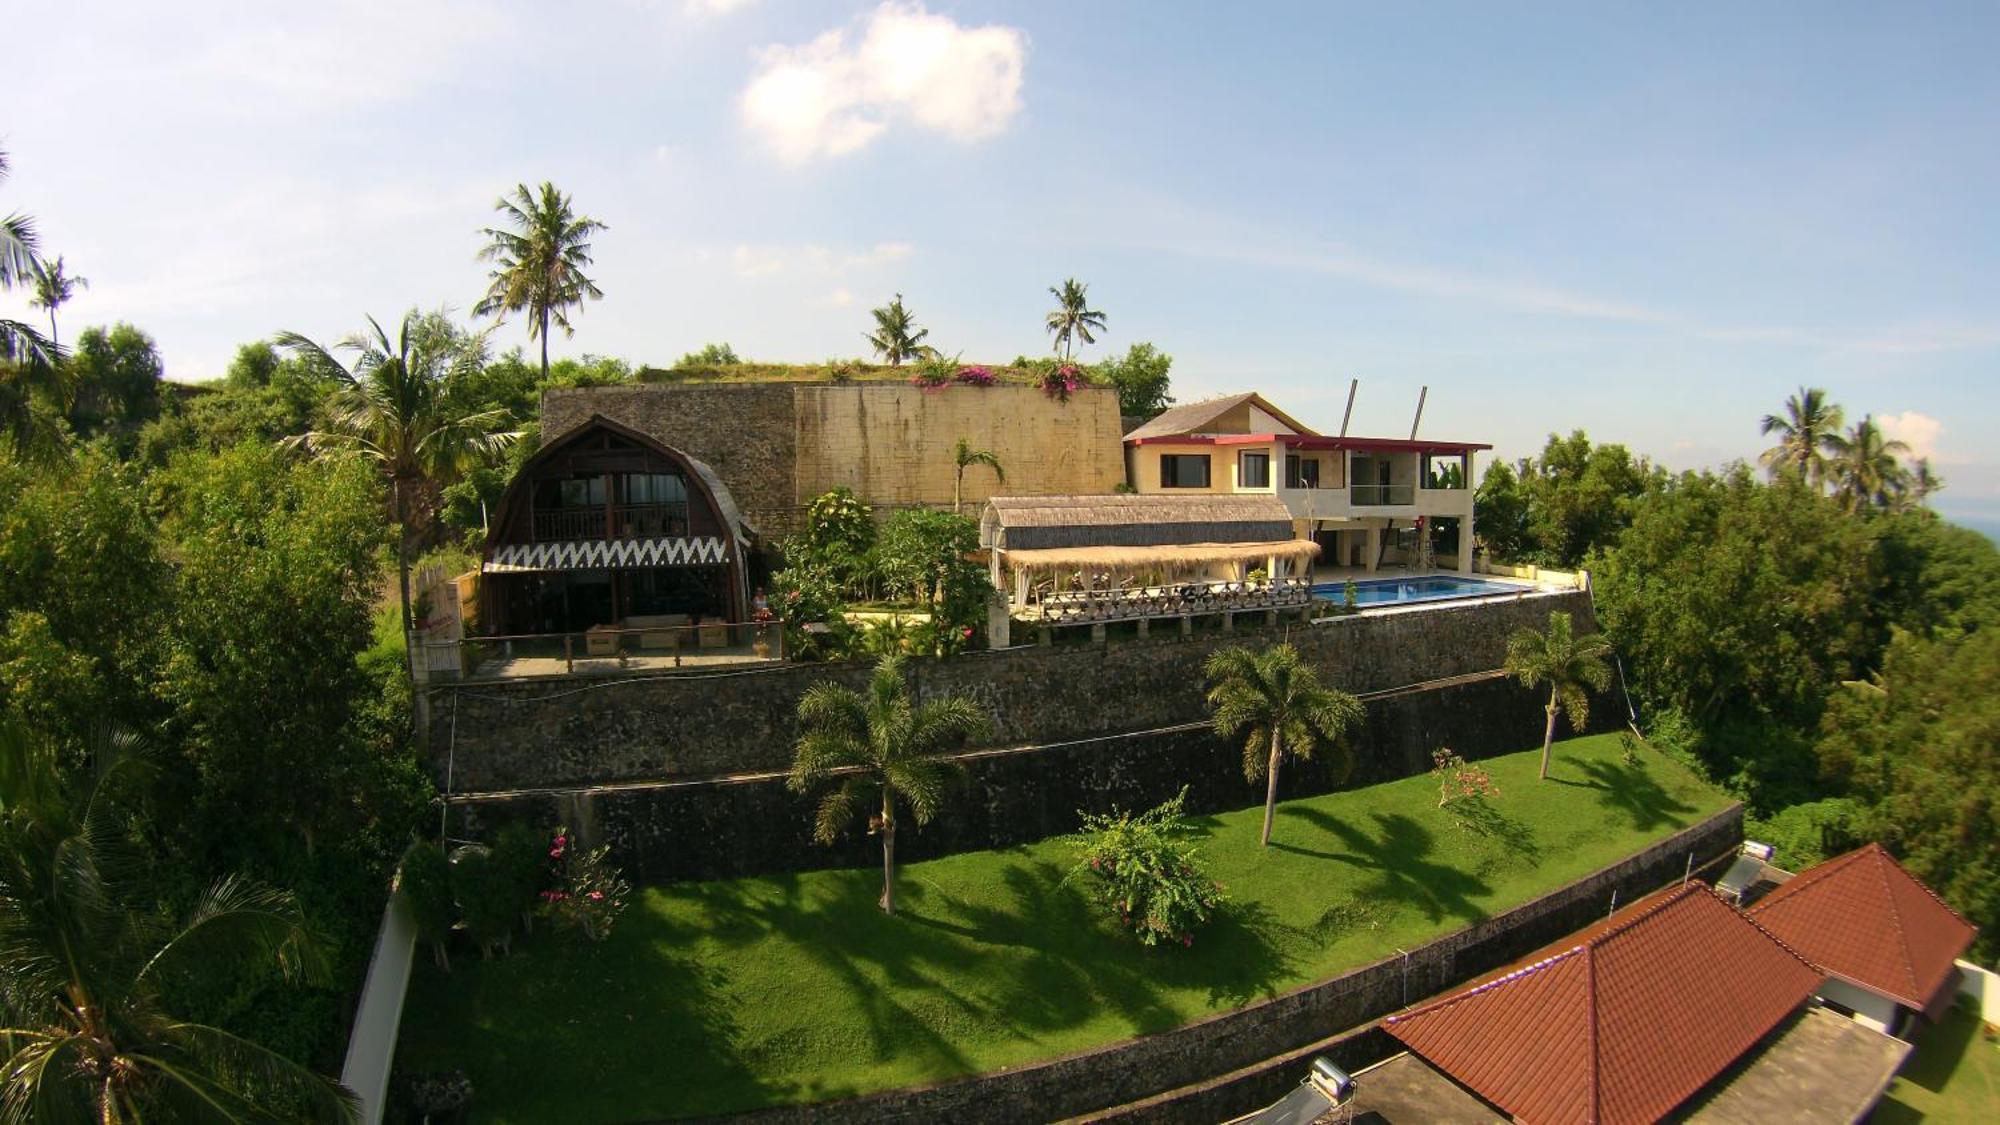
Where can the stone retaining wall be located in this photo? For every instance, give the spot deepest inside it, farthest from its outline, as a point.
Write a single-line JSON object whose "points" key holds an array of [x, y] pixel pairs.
{"points": [[726, 827], [1124, 1073], [556, 733]]}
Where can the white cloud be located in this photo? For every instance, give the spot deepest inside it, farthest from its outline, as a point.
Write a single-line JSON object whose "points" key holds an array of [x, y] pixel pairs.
{"points": [[1917, 430], [813, 260], [838, 299], [713, 7], [830, 97]]}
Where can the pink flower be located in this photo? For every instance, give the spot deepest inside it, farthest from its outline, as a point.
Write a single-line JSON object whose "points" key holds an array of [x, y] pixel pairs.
{"points": [[595, 896], [968, 632]]}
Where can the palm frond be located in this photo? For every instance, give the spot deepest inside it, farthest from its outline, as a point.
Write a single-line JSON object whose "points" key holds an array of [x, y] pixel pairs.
{"points": [[243, 922], [287, 1086]]}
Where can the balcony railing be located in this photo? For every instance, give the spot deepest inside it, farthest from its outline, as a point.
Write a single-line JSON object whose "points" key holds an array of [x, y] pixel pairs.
{"points": [[1382, 495], [626, 521]]}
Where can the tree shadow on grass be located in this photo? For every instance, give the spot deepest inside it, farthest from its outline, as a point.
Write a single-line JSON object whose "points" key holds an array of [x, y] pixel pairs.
{"points": [[1398, 853], [1476, 815], [1629, 789]]}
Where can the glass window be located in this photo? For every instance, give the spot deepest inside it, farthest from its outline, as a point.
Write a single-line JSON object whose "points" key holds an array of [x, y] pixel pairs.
{"points": [[581, 492], [1254, 470], [655, 488], [1301, 472], [1183, 470]]}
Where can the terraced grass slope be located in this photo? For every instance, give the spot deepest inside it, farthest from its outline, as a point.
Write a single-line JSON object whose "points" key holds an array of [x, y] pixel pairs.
{"points": [[726, 996]]}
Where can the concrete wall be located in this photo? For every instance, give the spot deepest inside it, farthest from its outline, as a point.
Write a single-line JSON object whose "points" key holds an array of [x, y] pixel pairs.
{"points": [[777, 445], [533, 734], [1124, 1073]]}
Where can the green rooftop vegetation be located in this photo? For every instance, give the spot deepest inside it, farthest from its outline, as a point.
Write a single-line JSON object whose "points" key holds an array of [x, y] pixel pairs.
{"points": [[725, 996], [832, 371]]}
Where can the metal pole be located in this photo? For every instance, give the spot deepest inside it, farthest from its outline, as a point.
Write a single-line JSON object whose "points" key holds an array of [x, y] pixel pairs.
{"points": [[1418, 420], [1352, 386], [1614, 902], [1689, 873]]}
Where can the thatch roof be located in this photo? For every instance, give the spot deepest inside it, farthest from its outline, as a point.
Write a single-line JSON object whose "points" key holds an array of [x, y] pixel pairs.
{"points": [[1179, 556], [1195, 417], [1026, 523]]}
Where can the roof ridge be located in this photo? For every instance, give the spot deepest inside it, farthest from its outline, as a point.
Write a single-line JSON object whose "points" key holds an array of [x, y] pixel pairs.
{"points": [[1477, 990], [1624, 926], [1596, 1078], [1876, 845], [1808, 962], [1883, 860]]}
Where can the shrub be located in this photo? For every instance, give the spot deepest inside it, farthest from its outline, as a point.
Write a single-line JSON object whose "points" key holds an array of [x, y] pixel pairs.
{"points": [[589, 893], [1062, 380], [1459, 779], [934, 373], [976, 376], [1141, 868], [485, 901], [425, 879], [522, 865]]}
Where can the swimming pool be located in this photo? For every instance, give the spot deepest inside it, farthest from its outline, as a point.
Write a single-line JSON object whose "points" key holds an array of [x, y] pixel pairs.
{"points": [[1397, 591]]}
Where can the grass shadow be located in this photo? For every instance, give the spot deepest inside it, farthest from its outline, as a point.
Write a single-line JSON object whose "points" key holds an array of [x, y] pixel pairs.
{"points": [[1476, 815], [1398, 853], [1629, 789], [1940, 1050]]}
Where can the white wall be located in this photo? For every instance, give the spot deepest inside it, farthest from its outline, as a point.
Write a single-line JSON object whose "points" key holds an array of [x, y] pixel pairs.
{"points": [[1870, 1010]]}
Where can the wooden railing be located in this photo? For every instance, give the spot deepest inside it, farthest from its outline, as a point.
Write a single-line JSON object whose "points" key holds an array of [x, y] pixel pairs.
{"points": [[626, 521], [1176, 600]]}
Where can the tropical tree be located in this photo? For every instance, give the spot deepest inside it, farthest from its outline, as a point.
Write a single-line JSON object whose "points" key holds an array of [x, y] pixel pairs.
{"points": [[54, 286], [394, 409], [896, 336], [1073, 318], [964, 457], [1274, 698], [1807, 432], [88, 965], [1920, 482], [877, 746], [1865, 469], [31, 375], [539, 262], [1566, 664]]}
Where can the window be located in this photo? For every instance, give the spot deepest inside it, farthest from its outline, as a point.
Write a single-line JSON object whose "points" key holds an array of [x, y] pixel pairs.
{"points": [[1183, 470], [1301, 472], [655, 488], [1254, 471], [580, 492]]}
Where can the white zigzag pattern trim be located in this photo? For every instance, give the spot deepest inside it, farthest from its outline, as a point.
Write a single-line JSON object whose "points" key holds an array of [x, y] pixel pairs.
{"points": [[600, 554]]}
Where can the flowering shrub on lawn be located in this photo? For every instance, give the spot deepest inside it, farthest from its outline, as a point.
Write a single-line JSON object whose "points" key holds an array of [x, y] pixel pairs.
{"points": [[1142, 869], [976, 376], [588, 893], [1459, 779]]}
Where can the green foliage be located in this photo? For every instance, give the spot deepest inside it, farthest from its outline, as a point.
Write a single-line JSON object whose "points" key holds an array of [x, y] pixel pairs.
{"points": [[1073, 318], [487, 898], [928, 555], [1811, 832], [424, 874], [589, 893], [896, 337], [808, 601], [1556, 509], [114, 377], [1274, 700], [539, 255], [711, 355], [1141, 378], [1145, 870], [838, 535]]}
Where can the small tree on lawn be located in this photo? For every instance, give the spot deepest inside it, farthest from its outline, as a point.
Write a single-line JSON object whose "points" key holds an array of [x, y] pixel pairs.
{"points": [[964, 456], [1276, 700], [877, 748], [1567, 664]]}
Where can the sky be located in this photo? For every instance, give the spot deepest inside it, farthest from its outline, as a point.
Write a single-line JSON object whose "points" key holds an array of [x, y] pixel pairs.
{"points": [[1651, 222]]}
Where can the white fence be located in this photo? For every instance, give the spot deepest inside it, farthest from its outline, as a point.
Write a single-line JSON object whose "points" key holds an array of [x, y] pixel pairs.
{"points": [[371, 1045]]}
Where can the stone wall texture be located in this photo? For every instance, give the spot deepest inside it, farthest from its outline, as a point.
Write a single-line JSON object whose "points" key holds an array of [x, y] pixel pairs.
{"points": [[778, 445], [569, 733], [1113, 1078]]}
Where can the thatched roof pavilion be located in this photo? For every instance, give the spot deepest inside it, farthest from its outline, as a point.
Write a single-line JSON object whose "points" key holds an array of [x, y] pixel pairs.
{"points": [[1055, 533]]}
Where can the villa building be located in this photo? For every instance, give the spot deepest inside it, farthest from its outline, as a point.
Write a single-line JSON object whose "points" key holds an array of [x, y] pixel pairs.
{"points": [[1366, 500]]}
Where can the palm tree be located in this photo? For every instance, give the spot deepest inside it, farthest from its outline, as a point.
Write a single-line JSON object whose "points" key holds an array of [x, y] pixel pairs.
{"points": [[1277, 698], [1864, 468], [31, 372], [1806, 434], [1920, 483], [877, 744], [54, 286], [1567, 664], [964, 456], [1073, 318], [394, 408], [88, 966], [896, 336], [539, 263]]}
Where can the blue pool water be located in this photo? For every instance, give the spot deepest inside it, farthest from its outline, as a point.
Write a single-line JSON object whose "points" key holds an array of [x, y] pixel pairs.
{"points": [[1395, 591]]}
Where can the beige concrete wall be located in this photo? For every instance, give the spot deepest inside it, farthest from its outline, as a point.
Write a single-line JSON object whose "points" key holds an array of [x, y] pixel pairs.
{"points": [[893, 444]]}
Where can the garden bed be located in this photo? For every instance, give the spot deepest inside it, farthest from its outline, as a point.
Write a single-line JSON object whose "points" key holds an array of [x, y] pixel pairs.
{"points": [[725, 996]]}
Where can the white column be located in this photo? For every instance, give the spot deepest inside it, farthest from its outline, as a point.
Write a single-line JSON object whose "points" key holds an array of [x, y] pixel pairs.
{"points": [[1465, 522], [1373, 550]]}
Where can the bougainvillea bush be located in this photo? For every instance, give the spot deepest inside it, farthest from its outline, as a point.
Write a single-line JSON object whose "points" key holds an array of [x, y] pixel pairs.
{"points": [[1142, 869], [977, 376], [588, 893], [1062, 380]]}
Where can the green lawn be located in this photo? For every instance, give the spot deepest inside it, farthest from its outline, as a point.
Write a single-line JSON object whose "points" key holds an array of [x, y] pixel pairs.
{"points": [[725, 996], [1954, 1076]]}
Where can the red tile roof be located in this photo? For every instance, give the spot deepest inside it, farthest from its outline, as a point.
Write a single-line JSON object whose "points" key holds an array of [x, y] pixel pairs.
{"points": [[1864, 919], [1621, 1022]]}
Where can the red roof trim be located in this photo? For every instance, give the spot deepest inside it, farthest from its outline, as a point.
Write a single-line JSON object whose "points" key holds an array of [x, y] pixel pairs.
{"points": [[1311, 441]]}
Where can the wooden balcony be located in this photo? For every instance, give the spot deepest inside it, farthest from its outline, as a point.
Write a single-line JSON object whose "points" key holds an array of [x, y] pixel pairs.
{"points": [[616, 521]]}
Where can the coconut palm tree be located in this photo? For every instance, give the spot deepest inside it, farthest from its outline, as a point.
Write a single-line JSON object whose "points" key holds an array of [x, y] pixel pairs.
{"points": [[1865, 469], [1806, 434], [394, 408], [88, 966], [1566, 664], [54, 286], [1276, 700], [964, 456], [1073, 318], [877, 745], [539, 263], [31, 370], [896, 336], [1920, 483]]}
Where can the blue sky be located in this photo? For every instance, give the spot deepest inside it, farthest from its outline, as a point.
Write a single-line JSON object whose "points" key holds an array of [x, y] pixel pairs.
{"points": [[1648, 221]]}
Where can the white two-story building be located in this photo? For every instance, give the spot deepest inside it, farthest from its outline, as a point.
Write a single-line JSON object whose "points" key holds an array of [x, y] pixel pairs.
{"points": [[1368, 501]]}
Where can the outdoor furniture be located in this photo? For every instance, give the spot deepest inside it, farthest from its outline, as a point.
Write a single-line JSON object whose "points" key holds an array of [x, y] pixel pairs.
{"points": [[714, 636], [600, 640], [661, 630]]}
